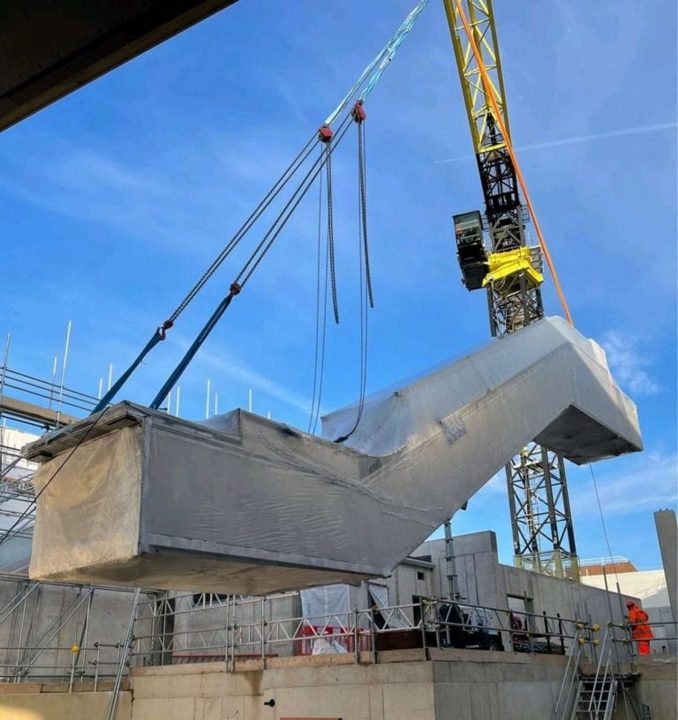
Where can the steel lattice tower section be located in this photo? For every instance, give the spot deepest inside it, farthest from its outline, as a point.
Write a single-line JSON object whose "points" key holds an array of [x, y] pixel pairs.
{"points": [[511, 273]]}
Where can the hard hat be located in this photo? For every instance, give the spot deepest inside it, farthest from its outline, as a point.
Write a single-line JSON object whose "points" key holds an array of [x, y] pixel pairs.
{"points": [[629, 603]]}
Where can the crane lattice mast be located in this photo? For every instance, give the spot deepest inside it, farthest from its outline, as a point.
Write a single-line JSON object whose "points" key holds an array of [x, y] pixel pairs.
{"points": [[494, 255]]}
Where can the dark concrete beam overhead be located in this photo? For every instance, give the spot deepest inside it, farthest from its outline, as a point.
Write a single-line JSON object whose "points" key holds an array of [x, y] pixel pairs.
{"points": [[48, 48]]}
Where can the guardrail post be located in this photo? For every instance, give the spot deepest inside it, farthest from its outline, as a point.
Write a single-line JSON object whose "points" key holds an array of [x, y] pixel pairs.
{"points": [[75, 649], [547, 632], [117, 654], [96, 666], [228, 609], [373, 638], [422, 620], [263, 631], [234, 629], [356, 636]]}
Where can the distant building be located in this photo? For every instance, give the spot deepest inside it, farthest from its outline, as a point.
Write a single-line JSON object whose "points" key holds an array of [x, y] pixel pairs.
{"points": [[600, 566]]}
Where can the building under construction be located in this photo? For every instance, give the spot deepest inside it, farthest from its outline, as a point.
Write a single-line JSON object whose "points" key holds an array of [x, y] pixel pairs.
{"points": [[449, 622], [152, 565]]}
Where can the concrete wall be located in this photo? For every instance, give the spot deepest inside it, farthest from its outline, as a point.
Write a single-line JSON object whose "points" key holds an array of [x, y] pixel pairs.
{"points": [[650, 586], [483, 688], [453, 685], [484, 581], [657, 688], [30, 703], [476, 561], [469, 687], [408, 581], [327, 690], [43, 622], [564, 597], [665, 631], [667, 534]]}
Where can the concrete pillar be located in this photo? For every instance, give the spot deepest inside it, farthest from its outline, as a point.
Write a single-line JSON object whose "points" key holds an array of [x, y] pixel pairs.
{"points": [[667, 533]]}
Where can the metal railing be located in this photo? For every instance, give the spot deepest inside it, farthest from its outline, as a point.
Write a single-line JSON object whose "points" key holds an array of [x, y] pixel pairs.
{"points": [[172, 628], [523, 631], [184, 628], [86, 664], [201, 627], [594, 692], [17, 508], [567, 694], [47, 392], [602, 690]]}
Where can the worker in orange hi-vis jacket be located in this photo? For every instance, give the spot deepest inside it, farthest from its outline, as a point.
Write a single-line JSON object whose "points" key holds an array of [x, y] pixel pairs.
{"points": [[641, 632]]}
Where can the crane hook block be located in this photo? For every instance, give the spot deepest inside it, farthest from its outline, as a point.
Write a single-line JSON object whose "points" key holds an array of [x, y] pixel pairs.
{"points": [[325, 133], [358, 113]]}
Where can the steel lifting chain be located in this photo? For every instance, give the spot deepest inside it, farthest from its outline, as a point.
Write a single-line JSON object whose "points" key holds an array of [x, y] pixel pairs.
{"points": [[325, 136], [359, 115]]}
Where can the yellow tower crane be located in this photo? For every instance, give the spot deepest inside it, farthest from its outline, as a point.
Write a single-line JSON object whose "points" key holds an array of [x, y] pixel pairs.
{"points": [[494, 255]]}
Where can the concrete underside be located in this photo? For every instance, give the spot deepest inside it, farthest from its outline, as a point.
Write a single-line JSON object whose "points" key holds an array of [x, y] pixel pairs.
{"points": [[49, 49], [454, 685]]}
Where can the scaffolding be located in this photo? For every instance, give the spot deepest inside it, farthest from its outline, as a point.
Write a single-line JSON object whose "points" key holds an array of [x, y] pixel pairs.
{"points": [[45, 628], [29, 406], [56, 632]]}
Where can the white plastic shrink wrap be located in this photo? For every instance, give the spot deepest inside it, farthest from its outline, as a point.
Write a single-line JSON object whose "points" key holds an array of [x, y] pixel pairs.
{"points": [[247, 505]]}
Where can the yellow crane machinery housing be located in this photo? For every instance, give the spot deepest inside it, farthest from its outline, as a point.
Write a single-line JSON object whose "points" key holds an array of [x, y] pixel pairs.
{"points": [[524, 260]]}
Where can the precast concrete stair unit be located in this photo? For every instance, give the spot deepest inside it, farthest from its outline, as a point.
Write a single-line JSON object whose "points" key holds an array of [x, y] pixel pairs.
{"points": [[245, 505]]}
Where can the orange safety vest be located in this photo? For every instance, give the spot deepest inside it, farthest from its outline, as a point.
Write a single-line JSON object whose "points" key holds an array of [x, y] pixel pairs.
{"points": [[638, 618]]}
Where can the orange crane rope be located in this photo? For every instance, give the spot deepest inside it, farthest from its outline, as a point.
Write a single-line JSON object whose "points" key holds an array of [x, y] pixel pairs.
{"points": [[509, 146]]}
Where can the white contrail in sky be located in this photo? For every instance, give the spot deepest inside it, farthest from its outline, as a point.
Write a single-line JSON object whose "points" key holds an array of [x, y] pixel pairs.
{"points": [[580, 139]]}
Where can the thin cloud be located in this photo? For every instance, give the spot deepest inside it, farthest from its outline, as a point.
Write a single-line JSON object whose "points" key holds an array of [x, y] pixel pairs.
{"points": [[232, 367], [497, 484], [655, 473], [629, 365], [578, 139], [85, 169], [180, 202]]}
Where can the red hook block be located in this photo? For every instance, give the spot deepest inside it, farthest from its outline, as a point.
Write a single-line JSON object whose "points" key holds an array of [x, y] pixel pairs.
{"points": [[325, 133]]}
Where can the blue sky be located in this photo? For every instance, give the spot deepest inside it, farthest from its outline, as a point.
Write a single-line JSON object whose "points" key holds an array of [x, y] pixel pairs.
{"points": [[115, 199]]}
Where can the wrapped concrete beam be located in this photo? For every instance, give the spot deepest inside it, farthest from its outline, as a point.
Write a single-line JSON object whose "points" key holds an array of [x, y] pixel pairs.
{"points": [[246, 505]]}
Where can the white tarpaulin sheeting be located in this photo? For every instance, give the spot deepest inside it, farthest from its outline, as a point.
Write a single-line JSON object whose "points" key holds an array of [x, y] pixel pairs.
{"points": [[319, 605], [379, 597], [251, 506], [327, 610]]}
